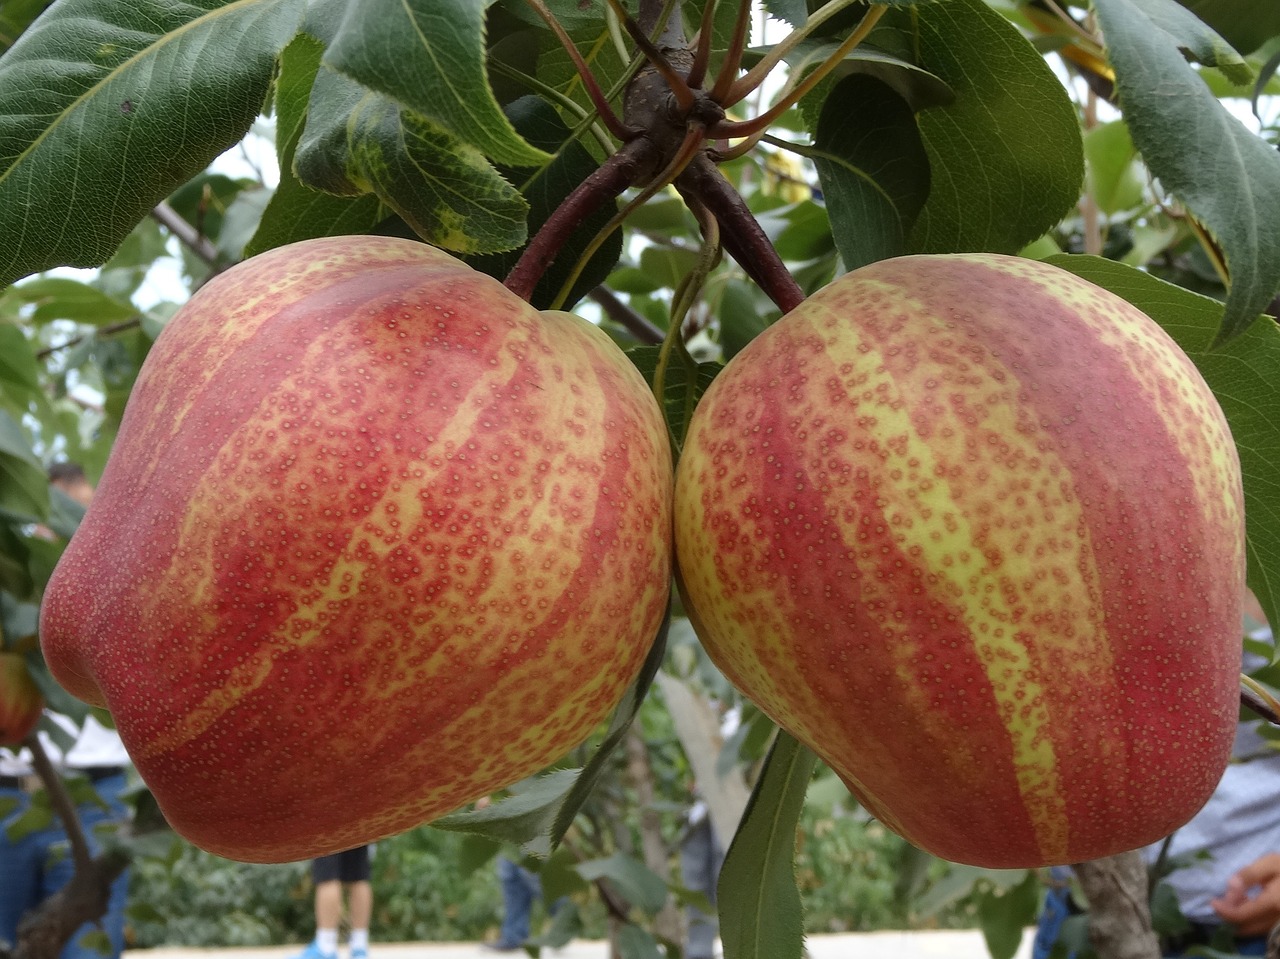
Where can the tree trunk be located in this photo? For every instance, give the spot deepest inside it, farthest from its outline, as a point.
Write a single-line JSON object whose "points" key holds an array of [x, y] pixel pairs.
{"points": [[1119, 911], [698, 728], [652, 846]]}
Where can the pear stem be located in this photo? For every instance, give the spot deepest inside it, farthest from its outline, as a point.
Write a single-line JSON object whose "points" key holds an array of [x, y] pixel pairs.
{"points": [[740, 232], [607, 182]]}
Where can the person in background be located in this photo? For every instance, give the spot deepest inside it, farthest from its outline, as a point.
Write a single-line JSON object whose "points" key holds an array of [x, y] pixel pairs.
{"points": [[331, 874], [701, 856], [520, 887], [1227, 858], [35, 865]]}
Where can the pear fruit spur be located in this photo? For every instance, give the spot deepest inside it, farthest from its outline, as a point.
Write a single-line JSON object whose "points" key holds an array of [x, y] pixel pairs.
{"points": [[376, 538], [971, 528]]}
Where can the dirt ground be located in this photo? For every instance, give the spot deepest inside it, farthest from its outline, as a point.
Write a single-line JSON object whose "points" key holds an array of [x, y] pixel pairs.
{"points": [[876, 945]]}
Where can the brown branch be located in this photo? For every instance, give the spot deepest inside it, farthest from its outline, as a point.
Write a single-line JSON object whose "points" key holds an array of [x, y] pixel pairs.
{"points": [[1119, 914], [44, 931], [108, 330], [61, 802], [626, 317], [187, 235], [740, 232], [607, 182]]}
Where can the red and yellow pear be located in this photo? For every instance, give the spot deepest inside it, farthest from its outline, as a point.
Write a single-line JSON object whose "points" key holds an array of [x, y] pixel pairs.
{"points": [[971, 528], [376, 538], [20, 700]]}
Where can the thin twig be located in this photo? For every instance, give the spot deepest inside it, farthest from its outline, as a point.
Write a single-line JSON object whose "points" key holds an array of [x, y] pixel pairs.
{"points": [[756, 75], [702, 44], [61, 802], [746, 128], [108, 330], [187, 235], [733, 59], [598, 99], [626, 317]]}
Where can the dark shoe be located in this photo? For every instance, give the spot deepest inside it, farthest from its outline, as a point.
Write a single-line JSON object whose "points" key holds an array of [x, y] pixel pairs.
{"points": [[502, 946]]}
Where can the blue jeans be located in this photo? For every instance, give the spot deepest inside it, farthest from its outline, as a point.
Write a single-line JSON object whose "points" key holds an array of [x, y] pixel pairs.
{"points": [[35, 866], [520, 888], [701, 857]]}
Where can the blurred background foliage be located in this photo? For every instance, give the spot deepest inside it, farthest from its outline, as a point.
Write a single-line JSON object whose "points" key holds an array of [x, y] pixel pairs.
{"points": [[71, 343]]}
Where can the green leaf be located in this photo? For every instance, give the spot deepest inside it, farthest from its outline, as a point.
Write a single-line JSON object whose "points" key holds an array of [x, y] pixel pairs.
{"points": [[1166, 915], [637, 943], [570, 14], [62, 298], [19, 369], [794, 12], [1227, 177], [24, 488], [15, 569], [429, 56], [357, 141], [521, 817], [601, 54], [917, 86], [1003, 917], [742, 317], [639, 884], [684, 382], [1006, 158], [1194, 38], [760, 910], [117, 103], [295, 211], [874, 169], [15, 17], [1245, 24], [1115, 180], [1244, 375]]}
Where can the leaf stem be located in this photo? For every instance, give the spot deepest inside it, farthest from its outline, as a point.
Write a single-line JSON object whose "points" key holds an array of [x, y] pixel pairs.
{"points": [[728, 72], [598, 99], [689, 148], [1258, 698], [586, 120], [750, 127], [685, 296], [755, 76]]}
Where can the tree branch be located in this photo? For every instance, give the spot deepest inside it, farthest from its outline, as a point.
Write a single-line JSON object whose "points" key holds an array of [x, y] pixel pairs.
{"points": [[1119, 914], [626, 317], [607, 182], [61, 802], [44, 931], [187, 235]]}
